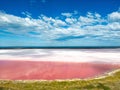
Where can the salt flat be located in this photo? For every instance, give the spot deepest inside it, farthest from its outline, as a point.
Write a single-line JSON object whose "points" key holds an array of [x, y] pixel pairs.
{"points": [[62, 55]]}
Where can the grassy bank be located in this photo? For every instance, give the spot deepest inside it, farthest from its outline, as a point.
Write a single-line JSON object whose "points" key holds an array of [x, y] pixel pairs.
{"points": [[109, 82]]}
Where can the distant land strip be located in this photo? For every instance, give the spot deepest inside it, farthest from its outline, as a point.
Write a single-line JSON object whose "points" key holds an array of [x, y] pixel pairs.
{"points": [[61, 47]]}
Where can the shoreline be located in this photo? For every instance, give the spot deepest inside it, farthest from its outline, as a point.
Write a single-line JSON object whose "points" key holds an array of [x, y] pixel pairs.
{"points": [[110, 73]]}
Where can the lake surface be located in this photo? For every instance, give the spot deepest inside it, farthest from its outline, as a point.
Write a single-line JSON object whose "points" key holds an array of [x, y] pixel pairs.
{"points": [[51, 64]]}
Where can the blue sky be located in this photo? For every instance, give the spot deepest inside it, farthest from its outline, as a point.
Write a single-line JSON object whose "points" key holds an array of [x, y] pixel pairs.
{"points": [[59, 23]]}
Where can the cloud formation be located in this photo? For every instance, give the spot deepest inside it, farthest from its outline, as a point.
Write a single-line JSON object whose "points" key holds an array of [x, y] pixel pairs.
{"points": [[70, 26]]}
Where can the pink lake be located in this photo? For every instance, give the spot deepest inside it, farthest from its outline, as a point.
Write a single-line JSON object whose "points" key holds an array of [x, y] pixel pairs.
{"points": [[38, 70], [52, 64]]}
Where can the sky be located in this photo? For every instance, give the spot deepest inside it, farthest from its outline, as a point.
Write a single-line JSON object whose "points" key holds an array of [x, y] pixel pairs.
{"points": [[59, 23]]}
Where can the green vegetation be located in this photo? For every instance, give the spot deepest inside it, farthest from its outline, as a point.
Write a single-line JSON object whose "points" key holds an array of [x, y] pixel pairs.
{"points": [[109, 82]]}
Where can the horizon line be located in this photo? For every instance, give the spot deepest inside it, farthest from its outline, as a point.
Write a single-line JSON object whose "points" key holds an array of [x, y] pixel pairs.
{"points": [[60, 47]]}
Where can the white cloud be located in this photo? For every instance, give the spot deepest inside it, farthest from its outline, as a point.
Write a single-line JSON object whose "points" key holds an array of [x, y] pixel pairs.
{"points": [[48, 28], [67, 14], [27, 14], [71, 20], [114, 26], [114, 17], [58, 23]]}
